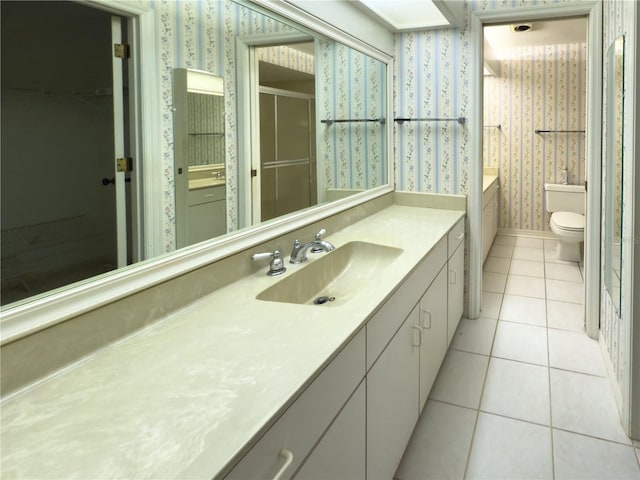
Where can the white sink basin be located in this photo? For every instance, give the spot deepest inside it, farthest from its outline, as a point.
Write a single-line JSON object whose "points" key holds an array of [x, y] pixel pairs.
{"points": [[337, 275]]}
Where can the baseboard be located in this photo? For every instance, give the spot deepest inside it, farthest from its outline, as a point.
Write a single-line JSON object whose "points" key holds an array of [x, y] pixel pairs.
{"points": [[515, 232]]}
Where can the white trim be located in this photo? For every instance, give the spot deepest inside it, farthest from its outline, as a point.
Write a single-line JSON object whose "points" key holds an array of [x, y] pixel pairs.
{"points": [[515, 232], [318, 26], [118, 145], [475, 190], [631, 415], [593, 173], [150, 118], [286, 93], [592, 9]]}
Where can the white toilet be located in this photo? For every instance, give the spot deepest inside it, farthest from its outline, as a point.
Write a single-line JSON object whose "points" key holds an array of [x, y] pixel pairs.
{"points": [[567, 220]]}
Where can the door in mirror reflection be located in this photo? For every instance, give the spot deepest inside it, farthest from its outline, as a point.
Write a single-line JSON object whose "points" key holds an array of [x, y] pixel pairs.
{"points": [[287, 157], [64, 200]]}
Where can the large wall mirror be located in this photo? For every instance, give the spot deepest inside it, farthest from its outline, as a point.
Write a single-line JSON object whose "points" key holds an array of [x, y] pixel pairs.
{"points": [[613, 170], [259, 118]]}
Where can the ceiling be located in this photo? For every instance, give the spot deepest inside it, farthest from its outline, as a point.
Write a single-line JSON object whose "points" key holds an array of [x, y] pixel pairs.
{"points": [[501, 39]]}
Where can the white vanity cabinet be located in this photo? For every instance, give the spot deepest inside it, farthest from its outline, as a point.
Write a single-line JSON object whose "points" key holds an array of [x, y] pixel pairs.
{"points": [[392, 400], [433, 333], [455, 294], [400, 380], [285, 446], [489, 217], [207, 216]]}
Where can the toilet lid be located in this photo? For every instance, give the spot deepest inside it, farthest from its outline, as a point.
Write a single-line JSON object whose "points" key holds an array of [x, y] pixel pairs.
{"points": [[568, 220]]}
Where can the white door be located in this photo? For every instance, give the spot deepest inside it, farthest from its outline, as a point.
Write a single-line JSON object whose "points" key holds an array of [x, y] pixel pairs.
{"points": [[119, 145]]}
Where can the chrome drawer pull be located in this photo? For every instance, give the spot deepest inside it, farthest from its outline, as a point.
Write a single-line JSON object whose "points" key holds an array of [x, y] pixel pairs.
{"points": [[288, 457]]}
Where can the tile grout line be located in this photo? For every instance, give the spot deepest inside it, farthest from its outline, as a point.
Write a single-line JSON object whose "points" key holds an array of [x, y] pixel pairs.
{"points": [[484, 384], [546, 321]]}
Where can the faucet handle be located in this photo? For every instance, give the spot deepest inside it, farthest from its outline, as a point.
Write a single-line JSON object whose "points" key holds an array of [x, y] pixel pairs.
{"points": [[318, 248], [276, 267]]}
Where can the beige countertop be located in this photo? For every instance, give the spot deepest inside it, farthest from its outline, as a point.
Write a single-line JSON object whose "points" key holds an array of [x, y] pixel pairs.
{"points": [[186, 395], [200, 183], [487, 181]]}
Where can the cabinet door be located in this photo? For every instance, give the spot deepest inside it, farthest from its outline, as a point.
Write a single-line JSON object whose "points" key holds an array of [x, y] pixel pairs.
{"points": [[392, 400], [487, 229], [341, 453], [495, 213], [456, 291], [206, 220], [433, 325]]}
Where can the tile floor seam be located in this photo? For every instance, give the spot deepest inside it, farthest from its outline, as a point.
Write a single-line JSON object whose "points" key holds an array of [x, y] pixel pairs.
{"points": [[546, 317], [608, 440], [484, 384], [518, 419], [580, 373]]}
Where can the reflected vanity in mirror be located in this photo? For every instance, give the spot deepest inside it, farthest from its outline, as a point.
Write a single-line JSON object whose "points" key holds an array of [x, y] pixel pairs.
{"points": [[199, 156], [613, 171], [344, 158]]}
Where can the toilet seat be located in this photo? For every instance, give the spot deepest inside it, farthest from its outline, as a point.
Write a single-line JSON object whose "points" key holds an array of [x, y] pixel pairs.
{"points": [[568, 221]]}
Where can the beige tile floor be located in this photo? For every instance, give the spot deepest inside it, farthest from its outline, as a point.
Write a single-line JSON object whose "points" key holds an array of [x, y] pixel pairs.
{"points": [[523, 392]]}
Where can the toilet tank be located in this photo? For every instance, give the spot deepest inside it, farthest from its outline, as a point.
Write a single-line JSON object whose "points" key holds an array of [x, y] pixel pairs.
{"points": [[564, 198]]}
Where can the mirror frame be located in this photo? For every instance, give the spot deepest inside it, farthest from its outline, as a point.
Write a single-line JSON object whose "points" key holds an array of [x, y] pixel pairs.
{"points": [[614, 166], [24, 318]]}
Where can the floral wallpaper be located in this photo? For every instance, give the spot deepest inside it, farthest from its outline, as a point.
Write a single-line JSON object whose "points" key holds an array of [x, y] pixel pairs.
{"points": [[350, 155], [287, 57], [206, 129], [432, 80], [543, 88]]}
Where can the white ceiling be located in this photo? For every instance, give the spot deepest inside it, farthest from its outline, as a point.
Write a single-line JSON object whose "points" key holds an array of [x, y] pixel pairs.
{"points": [[549, 32]]}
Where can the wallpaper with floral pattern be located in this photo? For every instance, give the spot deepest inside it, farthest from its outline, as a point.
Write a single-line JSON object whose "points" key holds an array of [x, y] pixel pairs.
{"points": [[542, 88], [351, 155]]}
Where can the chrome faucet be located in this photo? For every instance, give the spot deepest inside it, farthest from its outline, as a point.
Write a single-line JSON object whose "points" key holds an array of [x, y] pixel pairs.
{"points": [[299, 252]]}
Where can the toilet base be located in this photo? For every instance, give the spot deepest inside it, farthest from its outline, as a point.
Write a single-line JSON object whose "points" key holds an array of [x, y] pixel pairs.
{"points": [[568, 251]]}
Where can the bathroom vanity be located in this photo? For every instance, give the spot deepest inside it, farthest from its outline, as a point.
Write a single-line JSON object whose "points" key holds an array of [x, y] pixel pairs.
{"points": [[237, 387], [490, 186]]}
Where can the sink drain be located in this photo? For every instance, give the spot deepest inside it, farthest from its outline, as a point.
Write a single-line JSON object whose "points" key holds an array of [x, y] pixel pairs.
{"points": [[323, 300]]}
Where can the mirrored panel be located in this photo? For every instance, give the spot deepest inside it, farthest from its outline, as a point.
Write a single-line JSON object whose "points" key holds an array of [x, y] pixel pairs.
{"points": [[614, 170], [73, 192]]}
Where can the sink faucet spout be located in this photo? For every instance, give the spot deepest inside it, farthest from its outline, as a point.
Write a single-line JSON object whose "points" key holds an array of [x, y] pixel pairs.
{"points": [[299, 252]]}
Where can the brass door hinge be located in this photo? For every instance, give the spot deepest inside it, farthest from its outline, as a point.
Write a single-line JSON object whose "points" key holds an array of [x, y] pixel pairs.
{"points": [[124, 164], [121, 50]]}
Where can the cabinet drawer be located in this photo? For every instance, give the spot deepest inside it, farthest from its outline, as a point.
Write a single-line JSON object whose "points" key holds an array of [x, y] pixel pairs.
{"points": [[303, 423], [341, 454], [206, 195], [455, 237], [386, 321]]}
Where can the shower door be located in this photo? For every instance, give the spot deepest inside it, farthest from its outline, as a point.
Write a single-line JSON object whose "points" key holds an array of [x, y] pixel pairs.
{"points": [[287, 152]]}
